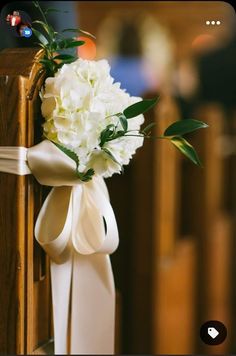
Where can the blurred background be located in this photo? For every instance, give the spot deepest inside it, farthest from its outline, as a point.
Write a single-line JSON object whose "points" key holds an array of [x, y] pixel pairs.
{"points": [[175, 267]]}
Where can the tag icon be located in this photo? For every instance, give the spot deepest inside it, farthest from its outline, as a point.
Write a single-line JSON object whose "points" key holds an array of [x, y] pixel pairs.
{"points": [[212, 332]]}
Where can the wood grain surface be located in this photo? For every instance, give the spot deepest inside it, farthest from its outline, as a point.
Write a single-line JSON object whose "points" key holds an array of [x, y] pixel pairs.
{"points": [[24, 299]]}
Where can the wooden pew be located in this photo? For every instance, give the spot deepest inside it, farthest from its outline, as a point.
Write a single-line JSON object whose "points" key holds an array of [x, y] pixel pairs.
{"points": [[212, 226], [25, 300], [174, 256], [160, 274], [25, 312], [192, 275], [175, 237]]}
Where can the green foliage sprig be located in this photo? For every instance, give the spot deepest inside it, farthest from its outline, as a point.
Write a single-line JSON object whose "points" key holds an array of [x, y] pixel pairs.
{"points": [[173, 133], [54, 43], [84, 177]]}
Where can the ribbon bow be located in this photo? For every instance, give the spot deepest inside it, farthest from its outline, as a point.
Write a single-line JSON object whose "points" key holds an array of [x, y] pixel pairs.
{"points": [[76, 226]]}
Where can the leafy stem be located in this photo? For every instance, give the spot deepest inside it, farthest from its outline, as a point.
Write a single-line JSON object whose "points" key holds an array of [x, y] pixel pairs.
{"points": [[36, 4], [83, 176], [53, 43], [173, 133]]}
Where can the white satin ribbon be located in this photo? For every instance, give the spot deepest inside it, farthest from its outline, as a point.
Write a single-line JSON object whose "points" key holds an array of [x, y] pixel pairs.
{"points": [[14, 160], [70, 228]]}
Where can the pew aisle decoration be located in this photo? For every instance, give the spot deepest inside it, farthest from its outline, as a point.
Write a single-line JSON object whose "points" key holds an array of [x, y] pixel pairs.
{"points": [[92, 129]]}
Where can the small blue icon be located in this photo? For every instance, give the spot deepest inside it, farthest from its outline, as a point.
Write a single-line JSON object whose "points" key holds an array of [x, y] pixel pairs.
{"points": [[27, 32]]}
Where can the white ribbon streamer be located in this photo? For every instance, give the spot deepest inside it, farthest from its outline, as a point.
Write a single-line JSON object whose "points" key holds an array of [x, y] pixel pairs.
{"points": [[70, 228]]}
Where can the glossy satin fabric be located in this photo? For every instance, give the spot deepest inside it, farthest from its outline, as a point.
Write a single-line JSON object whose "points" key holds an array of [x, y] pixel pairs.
{"points": [[70, 228], [14, 160]]}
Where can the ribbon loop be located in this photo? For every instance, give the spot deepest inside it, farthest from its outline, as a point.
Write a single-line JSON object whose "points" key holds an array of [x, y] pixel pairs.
{"points": [[51, 166], [54, 223], [90, 235]]}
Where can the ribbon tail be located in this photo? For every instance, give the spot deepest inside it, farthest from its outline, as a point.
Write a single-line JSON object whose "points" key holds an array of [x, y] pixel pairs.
{"points": [[61, 286], [53, 231], [93, 305]]}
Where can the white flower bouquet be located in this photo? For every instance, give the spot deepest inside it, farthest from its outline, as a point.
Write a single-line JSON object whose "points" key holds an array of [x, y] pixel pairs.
{"points": [[88, 116], [84, 112]]}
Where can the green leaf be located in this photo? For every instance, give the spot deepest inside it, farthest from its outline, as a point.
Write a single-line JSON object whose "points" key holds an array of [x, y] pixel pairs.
{"points": [[106, 134], [148, 128], [41, 45], [184, 126], [75, 44], [124, 122], [69, 43], [64, 56], [139, 108], [48, 65], [108, 152], [80, 31], [69, 153], [40, 37], [46, 27], [46, 62], [54, 46], [85, 177], [187, 149], [120, 133]]}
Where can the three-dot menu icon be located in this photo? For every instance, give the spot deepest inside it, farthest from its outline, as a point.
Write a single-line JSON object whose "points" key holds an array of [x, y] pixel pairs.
{"points": [[213, 22]]}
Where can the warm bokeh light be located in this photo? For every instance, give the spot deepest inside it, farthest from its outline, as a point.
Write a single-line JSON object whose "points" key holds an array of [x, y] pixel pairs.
{"points": [[88, 50], [204, 42]]}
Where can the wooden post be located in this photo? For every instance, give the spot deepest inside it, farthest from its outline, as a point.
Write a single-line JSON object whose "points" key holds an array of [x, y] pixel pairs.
{"points": [[212, 226], [174, 256]]}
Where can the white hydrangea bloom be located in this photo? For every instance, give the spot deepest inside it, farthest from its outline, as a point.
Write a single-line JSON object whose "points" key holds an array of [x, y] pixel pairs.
{"points": [[77, 105]]}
